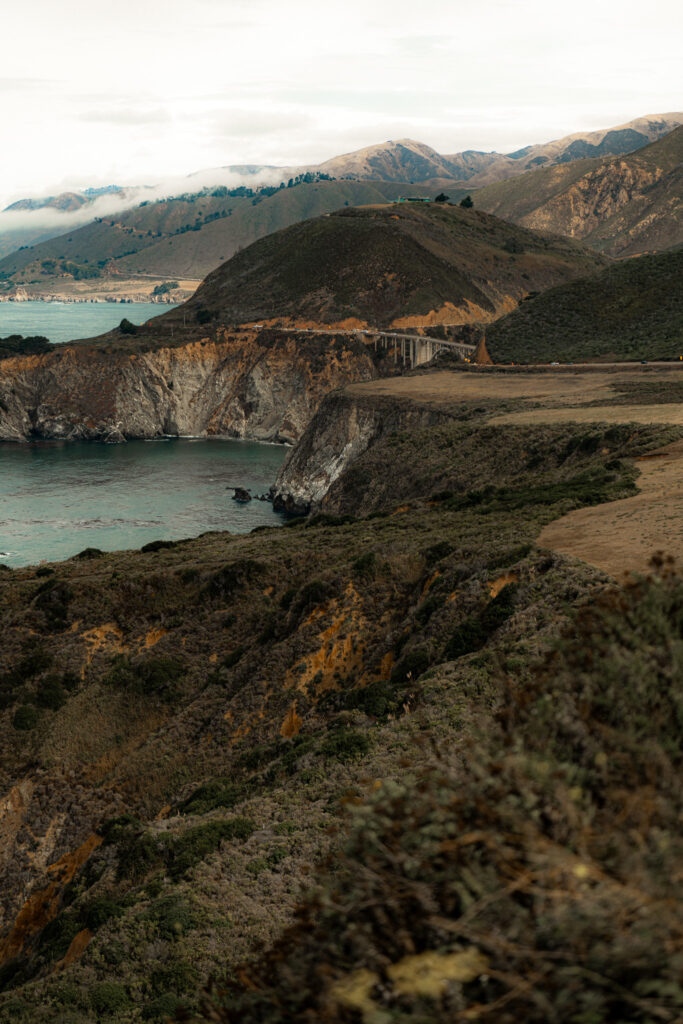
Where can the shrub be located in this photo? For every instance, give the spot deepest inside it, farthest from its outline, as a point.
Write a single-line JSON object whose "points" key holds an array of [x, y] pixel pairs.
{"points": [[411, 666], [97, 913], [365, 565], [51, 694], [233, 577], [217, 793], [126, 327], [152, 677], [162, 1008], [158, 545], [88, 553], [107, 997], [25, 718], [188, 849], [52, 599], [173, 917], [345, 744]]}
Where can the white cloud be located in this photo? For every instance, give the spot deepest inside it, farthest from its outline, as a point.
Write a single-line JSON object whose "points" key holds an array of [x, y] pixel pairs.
{"points": [[145, 89]]}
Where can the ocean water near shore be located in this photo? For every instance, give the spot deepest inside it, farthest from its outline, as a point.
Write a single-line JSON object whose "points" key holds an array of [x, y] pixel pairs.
{"points": [[57, 498], [67, 321]]}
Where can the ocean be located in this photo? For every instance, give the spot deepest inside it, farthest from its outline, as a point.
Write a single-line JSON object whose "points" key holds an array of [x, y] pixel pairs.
{"points": [[66, 321], [58, 497]]}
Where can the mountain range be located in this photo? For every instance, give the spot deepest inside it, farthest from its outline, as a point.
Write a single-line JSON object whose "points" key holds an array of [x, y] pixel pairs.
{"points": [[231, 217], [621, 205]]}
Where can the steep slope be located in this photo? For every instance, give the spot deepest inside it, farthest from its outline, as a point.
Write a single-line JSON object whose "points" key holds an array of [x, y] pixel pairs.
{"points": [[386, 265], [633, 310], [622, 206], [264, 387], [185, 728]]}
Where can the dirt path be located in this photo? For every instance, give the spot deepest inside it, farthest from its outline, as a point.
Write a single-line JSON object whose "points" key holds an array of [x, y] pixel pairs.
{"points": [[621, 536]]}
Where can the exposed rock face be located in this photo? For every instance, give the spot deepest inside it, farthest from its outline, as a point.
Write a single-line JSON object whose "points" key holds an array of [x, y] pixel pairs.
{"points": [[621, 206], [594, 198], [263, 387], [344, 427]]}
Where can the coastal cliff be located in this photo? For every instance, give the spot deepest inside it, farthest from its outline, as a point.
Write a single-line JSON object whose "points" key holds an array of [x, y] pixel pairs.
{"points": [[263, 387], [343, 428]]}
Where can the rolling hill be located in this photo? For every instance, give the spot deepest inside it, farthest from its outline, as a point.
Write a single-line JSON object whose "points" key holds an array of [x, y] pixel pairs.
{"points": [[186, 237], [389, 264], [631, 310], [621, 206]]}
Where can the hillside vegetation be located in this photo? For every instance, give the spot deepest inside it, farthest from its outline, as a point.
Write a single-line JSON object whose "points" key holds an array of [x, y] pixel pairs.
{"points": [[188, 727], [384, 265], [189, 236], [621, 206], [631, 310]]}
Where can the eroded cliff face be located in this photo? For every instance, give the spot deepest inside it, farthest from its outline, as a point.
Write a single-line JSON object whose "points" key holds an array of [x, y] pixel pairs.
{"points": [[343, 428], [263, 387], [599, 198]]}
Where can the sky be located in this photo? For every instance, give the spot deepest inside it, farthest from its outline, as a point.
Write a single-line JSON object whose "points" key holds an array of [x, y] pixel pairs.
{"points": [[142, 90]]}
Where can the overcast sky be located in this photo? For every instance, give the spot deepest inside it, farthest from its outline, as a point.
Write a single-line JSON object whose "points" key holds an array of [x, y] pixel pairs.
{"points": [[139, 90]]}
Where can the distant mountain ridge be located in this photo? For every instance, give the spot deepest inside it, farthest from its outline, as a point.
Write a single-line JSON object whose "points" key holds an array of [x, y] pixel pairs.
{"points": [[410, 161], [622, 205], [186, 236]]}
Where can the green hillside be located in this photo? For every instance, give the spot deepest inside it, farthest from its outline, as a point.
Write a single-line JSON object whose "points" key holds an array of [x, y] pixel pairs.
{"points": [[631, 310], [188, 237], [381, 263]]}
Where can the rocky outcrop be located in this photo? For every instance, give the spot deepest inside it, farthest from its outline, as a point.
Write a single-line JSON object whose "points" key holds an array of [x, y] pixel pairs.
{"points": [[344, 427], [597, 196], [263, 387]]}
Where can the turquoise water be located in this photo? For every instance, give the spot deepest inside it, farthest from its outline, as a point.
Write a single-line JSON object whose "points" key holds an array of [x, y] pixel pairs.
{"points": [[66, 321], [57, 498]]}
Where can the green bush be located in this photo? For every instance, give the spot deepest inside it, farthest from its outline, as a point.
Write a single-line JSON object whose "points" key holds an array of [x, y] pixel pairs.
{"points": [[193, 846], [89, 553], [25, 718], [97, 913], [365, 565], [153, 677], [217, 793], [411, 666], [108, 997], [345, 744], [173, 917], [51, 694], [162, 1008], [52, 598], [126, 327]]}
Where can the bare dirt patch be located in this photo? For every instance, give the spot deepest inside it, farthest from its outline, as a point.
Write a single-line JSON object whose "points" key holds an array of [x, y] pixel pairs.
{"points": [[621, 536], [561, 389]]}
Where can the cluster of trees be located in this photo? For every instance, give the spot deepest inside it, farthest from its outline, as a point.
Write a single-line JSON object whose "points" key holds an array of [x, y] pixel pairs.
{"points": [[17, 345], [467, 202], [79, 271]]}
